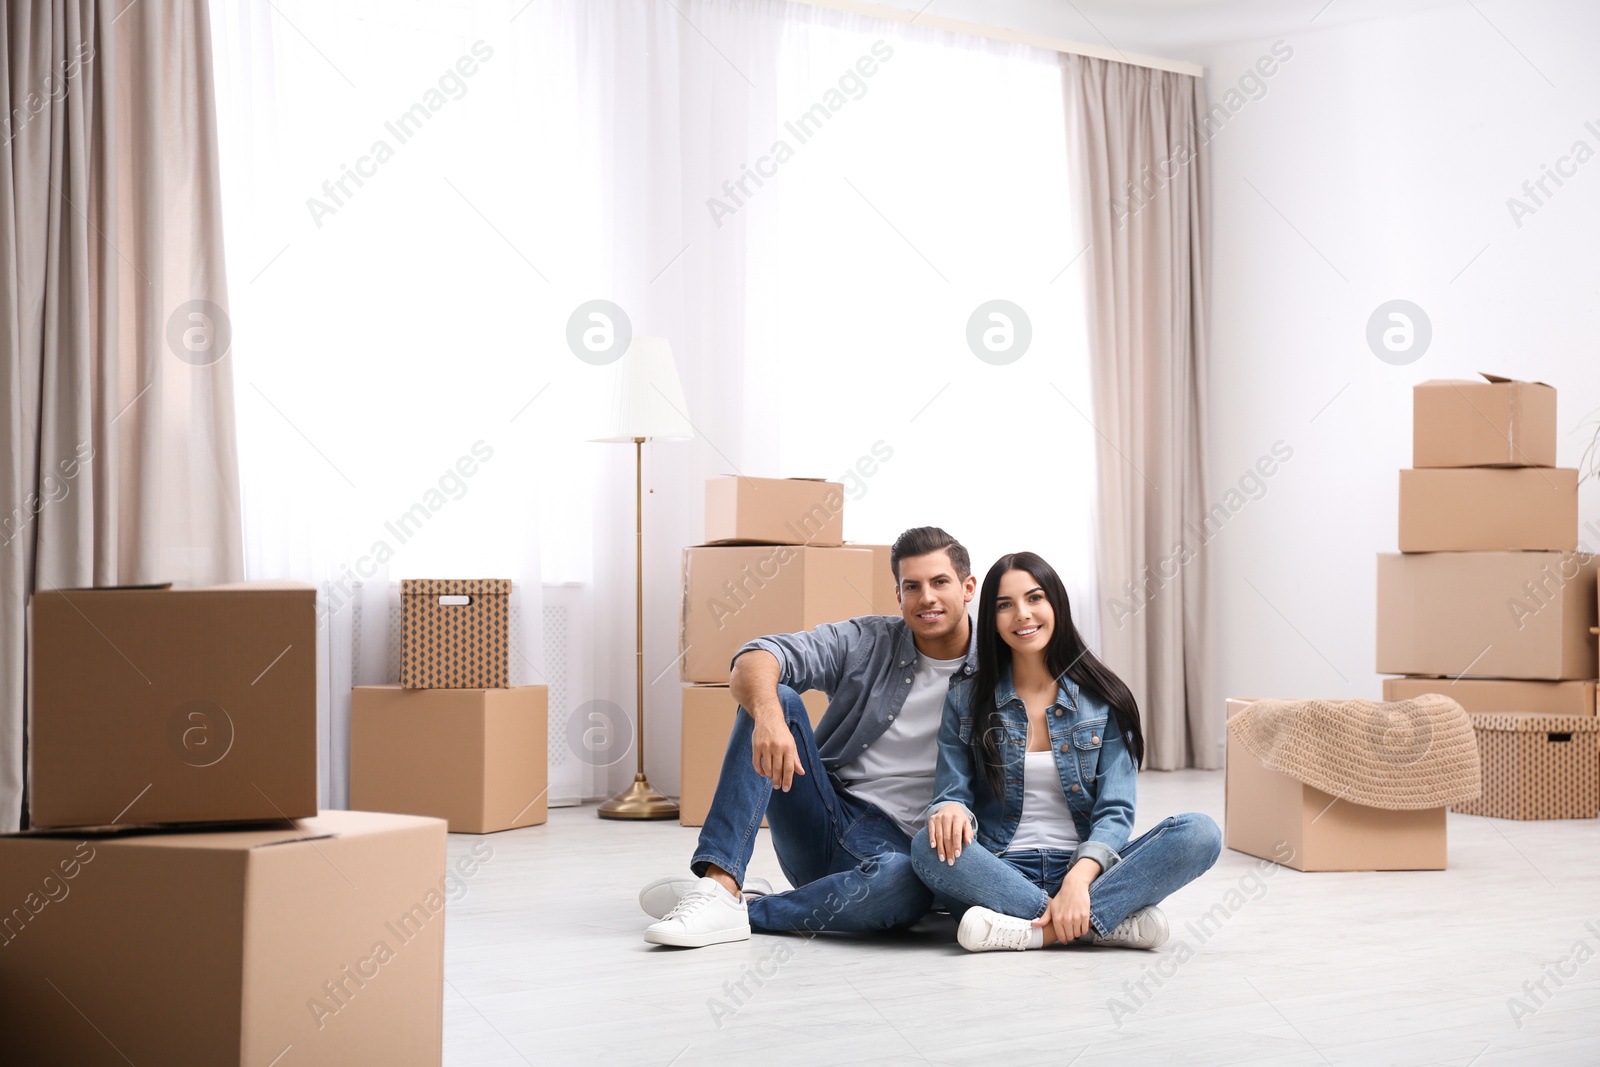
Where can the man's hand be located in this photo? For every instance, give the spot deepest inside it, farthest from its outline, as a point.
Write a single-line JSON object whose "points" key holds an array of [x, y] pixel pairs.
{"points": [[773, 752], [1068, 913], [754, 684], [948, 830]]}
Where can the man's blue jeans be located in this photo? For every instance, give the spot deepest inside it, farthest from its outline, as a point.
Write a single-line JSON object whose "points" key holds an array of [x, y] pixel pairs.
{"points": [[1153, 866], [850, 863]]}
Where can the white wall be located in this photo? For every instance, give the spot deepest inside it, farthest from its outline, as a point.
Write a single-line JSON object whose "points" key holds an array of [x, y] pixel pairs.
{"points": [[1384, 152]]}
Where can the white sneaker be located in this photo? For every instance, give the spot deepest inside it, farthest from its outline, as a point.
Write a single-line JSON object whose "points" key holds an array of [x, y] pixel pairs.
{"points": [[1145, 928], [982, 930], [707, 915], [662, 895]]}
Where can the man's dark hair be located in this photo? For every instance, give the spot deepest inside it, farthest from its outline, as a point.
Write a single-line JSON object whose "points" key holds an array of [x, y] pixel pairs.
{"points": [[921, 540]]}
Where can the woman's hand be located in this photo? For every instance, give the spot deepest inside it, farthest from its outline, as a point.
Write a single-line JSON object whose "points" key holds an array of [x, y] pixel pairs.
{"points": [[1068, 913], [948, 830]]}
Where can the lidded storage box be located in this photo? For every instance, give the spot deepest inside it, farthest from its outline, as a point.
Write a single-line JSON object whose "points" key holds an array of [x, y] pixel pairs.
{"points": [[455, 633], [1537, 766]]}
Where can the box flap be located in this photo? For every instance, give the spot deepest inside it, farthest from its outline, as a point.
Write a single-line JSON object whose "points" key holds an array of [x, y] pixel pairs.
{"points": [[277, 586], [224, 836], [1491, 379], [236, 835], [1498, 380], [101, 588]]}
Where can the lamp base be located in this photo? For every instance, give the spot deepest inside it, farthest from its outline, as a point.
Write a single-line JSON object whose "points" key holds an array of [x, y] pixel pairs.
{"points": [[639, 801]]}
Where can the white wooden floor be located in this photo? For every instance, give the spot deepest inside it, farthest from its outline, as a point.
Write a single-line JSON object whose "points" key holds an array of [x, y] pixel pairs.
{"points": [[545, 965]]}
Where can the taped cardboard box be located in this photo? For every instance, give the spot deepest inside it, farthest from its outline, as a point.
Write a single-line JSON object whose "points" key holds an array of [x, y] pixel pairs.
{"points": [[1488, 509], [162, 705], [774, 511], [708, 715], [477, 758], [882, 594], [455, 633], [325, 936], [1537, 766], [1487, 614], [735, 593], [1497, 422], [1485, 695], [1279, 818]]}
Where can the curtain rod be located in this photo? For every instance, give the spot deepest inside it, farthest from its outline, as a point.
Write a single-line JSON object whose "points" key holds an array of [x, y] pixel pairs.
{"points": [[1001, 33]]}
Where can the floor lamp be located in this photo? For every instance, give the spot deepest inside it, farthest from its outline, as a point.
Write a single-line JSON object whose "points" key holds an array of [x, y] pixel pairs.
{"points": [[647, 405]]}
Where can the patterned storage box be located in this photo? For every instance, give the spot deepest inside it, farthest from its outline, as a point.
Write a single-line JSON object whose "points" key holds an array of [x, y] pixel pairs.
{"points": [[455, 633], [1537, 766]]}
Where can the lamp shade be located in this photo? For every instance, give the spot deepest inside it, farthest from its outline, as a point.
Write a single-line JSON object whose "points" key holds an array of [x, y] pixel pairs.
{"points": [[647, 397]]}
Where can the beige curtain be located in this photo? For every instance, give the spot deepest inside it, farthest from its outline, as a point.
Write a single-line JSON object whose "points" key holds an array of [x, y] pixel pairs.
{"points": [[1143, 209], [117, 406]]}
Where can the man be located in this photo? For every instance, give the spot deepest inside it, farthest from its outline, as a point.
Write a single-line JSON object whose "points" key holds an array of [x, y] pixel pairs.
{"points": [[843, 803]]}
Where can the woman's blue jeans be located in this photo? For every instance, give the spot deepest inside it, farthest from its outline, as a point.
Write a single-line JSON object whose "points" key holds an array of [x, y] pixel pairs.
{"points": [[1153, 866]]}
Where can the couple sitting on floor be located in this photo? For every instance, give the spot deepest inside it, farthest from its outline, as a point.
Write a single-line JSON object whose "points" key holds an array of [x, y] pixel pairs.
{"points": [[1025, 744]]}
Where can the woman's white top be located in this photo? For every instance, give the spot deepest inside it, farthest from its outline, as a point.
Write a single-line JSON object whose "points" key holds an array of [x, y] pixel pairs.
{"points": [[1046, 820]]}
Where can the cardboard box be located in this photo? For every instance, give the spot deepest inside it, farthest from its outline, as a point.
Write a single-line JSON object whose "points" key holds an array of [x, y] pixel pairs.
{"points": [[1537, 766], [884, 599], [708, 714], [1279, 818], [1500, 694], [455, 633], [476, 758], [1489, 509], [161, 705], [325, 936], [1493, 423], [733, 594], [1487, 614], [774, 511]]}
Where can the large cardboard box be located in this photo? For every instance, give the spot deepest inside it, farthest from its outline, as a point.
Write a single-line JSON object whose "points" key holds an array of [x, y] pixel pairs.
{"points": [[882, 594], [1484, 695], [1493, 423], [774, 511], [476, 758], [735, 593], [1276, 817], [320, 942], [1537, 766], [1488, 509], [158, 705], [455, 633], [708, 714], [1487, 614]]}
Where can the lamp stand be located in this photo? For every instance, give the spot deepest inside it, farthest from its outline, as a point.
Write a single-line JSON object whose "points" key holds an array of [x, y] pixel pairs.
{"points": [[639, 800]]}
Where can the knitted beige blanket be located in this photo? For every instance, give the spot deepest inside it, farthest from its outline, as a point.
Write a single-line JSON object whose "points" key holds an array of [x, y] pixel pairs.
{"points": [[1403, 755]]}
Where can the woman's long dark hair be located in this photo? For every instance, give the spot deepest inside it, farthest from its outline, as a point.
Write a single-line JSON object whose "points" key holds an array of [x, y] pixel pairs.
{"points": [[1066, 654]]}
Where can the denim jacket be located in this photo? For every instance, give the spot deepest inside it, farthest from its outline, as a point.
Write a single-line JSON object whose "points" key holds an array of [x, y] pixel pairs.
{"points": [[1092, 758], [864, 665]]}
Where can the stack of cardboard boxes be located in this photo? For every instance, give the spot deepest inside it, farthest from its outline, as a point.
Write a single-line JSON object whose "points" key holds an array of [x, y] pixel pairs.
{"points": [[179, 898], [774, 561], [454, 740], [1489, 601]]}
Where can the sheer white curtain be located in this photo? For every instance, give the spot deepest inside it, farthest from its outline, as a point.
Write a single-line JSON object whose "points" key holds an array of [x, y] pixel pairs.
{"points": [[418, 199], [939, 184], [392, 313], [389, 309]]}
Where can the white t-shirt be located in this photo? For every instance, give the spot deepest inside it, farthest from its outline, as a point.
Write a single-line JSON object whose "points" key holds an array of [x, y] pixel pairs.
{"points": [[1046, 821], [896, 771]]}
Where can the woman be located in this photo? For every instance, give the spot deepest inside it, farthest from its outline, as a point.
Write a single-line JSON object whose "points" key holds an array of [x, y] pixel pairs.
{"points": [[1027, 840]]}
